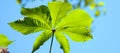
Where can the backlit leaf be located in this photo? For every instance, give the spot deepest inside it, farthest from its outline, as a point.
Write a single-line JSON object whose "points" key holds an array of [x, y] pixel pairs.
{"points": [[79, 34], [76, 24], [58, 10], [56, 18], [27, 25], [36, 19], [40, 13], [41, 39], [76, 17], [63, 42]]}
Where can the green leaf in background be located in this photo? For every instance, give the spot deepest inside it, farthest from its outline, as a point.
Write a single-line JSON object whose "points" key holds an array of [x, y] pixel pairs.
{"points": [[97, 13], [87, 2], [101, 4], [58, 10], [18, 1], [4, 41], [93, 6], [63, 42], [104, 11], [41, 39]]}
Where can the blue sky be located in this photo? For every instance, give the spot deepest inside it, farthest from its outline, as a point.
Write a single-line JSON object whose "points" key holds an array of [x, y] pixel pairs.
{"points": [[106, 31]]}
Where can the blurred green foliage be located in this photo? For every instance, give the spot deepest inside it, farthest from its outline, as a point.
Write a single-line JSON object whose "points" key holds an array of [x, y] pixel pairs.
{"points": [[93, 4]]}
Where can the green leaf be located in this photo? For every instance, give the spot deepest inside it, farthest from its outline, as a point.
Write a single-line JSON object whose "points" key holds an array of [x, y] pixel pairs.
{"points": [[36, 19], [41, 39], [58, 10], [79, 34], [63, 42], [39, 13], [4, 41], [27, 25], [75, 18], [76, 24]]}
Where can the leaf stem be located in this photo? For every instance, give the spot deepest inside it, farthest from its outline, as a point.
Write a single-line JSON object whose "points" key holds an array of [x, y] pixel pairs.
{"points": [[51, 41]]}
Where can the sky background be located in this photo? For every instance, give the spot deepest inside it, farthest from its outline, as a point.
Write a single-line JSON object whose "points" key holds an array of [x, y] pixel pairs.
{"points": [[106, 31]]}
